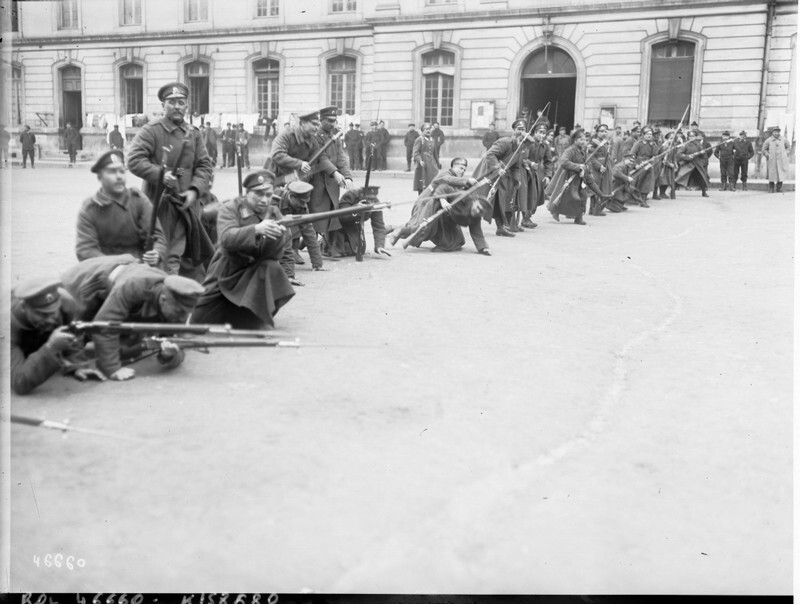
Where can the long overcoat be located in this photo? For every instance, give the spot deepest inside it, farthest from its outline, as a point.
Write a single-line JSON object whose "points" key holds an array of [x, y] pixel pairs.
{"points": [[776, 150]]}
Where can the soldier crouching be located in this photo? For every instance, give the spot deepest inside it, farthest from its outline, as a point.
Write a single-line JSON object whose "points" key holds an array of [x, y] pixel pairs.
{"points": [[350, 238], [293, 200]]}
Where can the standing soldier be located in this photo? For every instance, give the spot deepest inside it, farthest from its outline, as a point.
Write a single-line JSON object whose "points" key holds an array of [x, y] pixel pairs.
{"points": [[561, 143], [724, 153], [643, 151], [116, 219], [615, 147], [210, 141], [539, 168], [411, 136], [169, 155], [383, 145], [246, 285], [228, 146], [292, 148], [497, 163], [742, 152], [333, 174], [669, 167], [115, 139], [73, 140], [352, 142], [371, 140], [28, 141], [693, 163], [243, 144], [776, 151], [422, 156], [438, 140], [601, 168]]}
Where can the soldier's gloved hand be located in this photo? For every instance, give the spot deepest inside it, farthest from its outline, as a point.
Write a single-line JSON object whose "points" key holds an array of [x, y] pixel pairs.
{"points": [[501, 172], [60, 340], [305, 167], [472, 181], [602, 169], [340, 180], [189, 197], [151, 258], [446, 205], [168, 350], [85, 373], [122, 374], [270, 229], [380, 250]]}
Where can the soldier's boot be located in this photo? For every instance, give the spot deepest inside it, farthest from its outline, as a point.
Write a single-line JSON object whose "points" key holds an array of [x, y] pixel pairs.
{"points": [[705, 192], [772, 187], [662, 189], [527, 222], [512, 223], [744, 185], [672, 193], [778, 187], [579, 219], [596, 209], [723, 186], [733, 186]]}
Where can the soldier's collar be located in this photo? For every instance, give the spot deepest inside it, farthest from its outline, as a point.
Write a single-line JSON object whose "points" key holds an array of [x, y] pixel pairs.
{"points": [[101, 198], [171, 126]]}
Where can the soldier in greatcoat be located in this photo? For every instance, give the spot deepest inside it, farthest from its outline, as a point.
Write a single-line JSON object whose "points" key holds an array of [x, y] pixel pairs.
{"points": [[352, 143], [644, 150], [331, 175], [537, 162], [776, 151], [693, 163], [504, 162], [40, 343], [73, 140], [408, 140], [292, 149], [601, 167], [293, 199], [245, 285], [422, 156], [116, 219], [115, 138], [120, 289], [353, 226], [382, 145], [173, 151]]}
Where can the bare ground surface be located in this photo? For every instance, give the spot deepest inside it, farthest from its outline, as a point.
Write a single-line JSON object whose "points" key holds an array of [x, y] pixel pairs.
{"points": [[596, 409]]}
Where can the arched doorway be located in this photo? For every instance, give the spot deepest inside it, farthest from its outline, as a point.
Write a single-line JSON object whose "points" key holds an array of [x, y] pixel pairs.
{"points": [[550, 75]]}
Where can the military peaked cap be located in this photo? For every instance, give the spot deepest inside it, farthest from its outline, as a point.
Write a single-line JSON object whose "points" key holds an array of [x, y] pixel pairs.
{"points": [[114, 158], [519, 120], [743, 132], [40, 293], [258, 180], [331, 111], [299, 187], [312, 116], [726, 133], [173, 90], [185, 291]]}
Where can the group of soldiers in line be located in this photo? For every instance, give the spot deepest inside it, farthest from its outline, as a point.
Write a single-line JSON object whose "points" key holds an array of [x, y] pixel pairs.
{"points": [[172, 253]]}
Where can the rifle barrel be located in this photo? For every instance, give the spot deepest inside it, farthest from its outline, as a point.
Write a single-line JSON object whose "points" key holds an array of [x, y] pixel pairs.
{"points": [[174, 328]]}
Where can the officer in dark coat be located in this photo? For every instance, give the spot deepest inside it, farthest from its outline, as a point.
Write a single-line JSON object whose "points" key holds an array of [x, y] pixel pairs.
{"points": [[116, 219], [115, 139], [352, 142], [172, 143], [742, 152], [73, 140], [292, 149], [40, 343], [246, 285], [724, 153], [490, 137], [411, 136], [382, 146], [371, 142], [693, 163], [120, 289], [331, 175], [353, 226]]}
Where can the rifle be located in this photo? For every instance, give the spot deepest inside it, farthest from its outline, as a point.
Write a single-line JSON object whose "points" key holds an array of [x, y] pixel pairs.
{"points": [[150, 241], [238, 146], [298, 219], [118, 327], [293, 175], [63, 426], [434, 217]]}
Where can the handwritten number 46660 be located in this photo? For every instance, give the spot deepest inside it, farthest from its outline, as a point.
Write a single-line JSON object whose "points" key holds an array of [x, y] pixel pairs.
{"points": [[58, 560]]}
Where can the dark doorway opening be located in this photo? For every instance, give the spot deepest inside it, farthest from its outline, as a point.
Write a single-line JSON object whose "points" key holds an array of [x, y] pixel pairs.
{"points": [[72, 109], [549, 75], [559, 92], [71, 101]]}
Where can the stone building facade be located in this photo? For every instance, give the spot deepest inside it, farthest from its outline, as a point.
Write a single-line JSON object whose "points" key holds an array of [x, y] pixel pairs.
{"points": [[462, 63]]}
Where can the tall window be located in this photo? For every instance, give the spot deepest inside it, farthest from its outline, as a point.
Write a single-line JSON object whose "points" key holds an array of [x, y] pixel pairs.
{"points": [[343, 6], [16, 96], [438, 71], [197, 79], [131, 12], [196, 10], [342, 83], [671, 81], [267, 74], [267, 8], [15, 15], [132, 87], [67, 14]]}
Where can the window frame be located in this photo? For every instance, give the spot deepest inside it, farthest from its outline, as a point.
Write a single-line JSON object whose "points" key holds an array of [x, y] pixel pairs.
{"points": [[444, 73], [18, 87], [202, 6], [275, 97], [123, 96], [353, 86], [122, 13], [60, 15], [348, 6], [270, 6]]}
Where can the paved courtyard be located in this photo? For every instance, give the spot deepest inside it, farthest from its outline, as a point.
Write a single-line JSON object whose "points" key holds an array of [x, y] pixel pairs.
{"points": [[597, 409]]}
